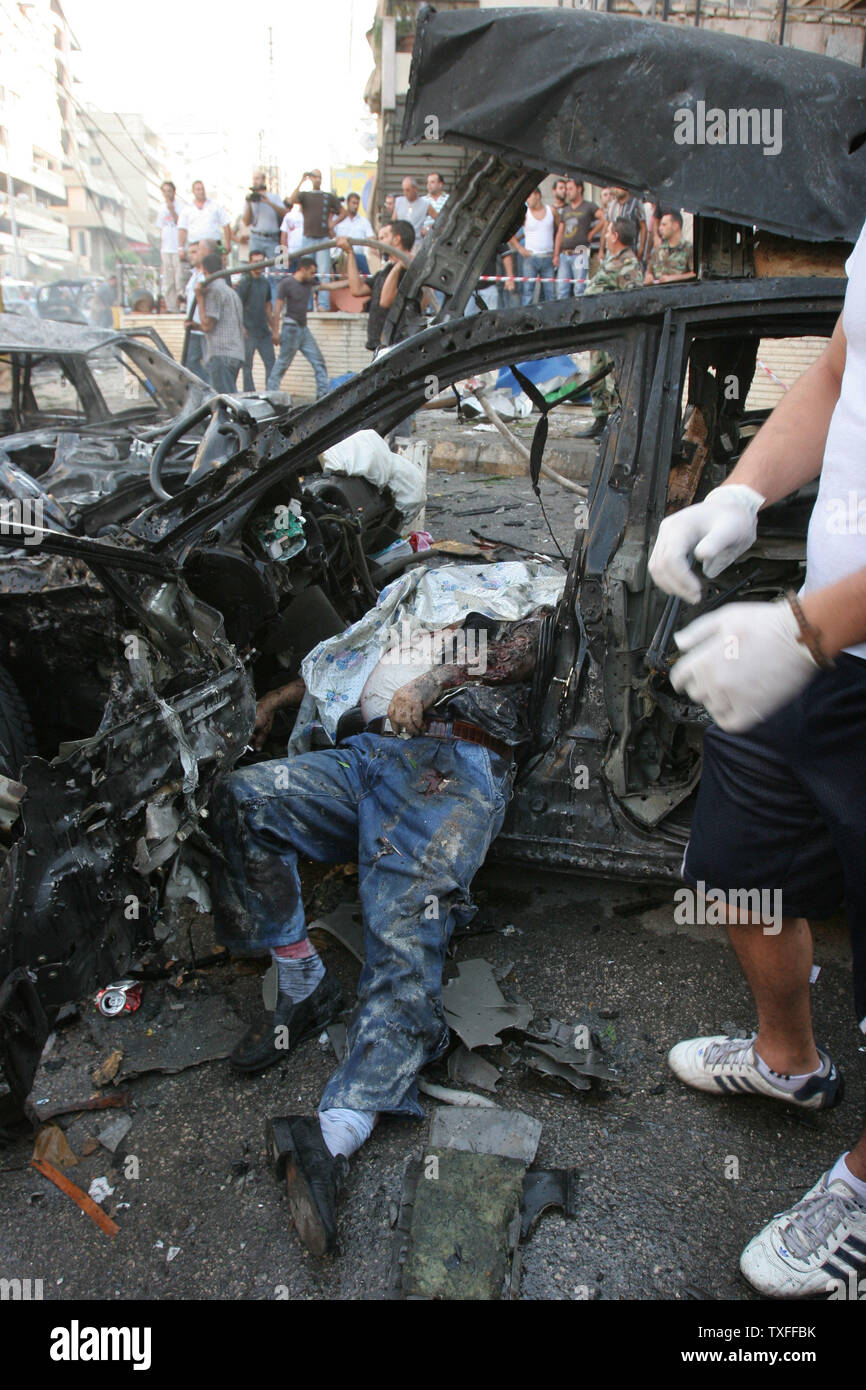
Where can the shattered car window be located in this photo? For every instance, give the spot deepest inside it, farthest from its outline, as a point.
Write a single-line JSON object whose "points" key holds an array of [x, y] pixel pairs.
{"points": [[121, 382], [45, 389]]}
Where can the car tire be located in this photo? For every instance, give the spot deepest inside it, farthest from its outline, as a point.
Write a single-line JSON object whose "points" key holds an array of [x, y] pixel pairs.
{"points": [[17, 742]]}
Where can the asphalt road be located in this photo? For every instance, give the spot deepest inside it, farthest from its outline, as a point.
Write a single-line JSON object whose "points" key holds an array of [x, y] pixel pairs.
{"points": [[658, 1218]]}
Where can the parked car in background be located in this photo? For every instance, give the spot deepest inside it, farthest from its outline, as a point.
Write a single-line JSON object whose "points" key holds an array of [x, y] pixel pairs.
{"points": [[67, 301], [17, 296]]}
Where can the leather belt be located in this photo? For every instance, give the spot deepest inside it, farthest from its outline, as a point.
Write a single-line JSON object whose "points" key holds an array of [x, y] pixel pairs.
{"points": [[450, 728]]}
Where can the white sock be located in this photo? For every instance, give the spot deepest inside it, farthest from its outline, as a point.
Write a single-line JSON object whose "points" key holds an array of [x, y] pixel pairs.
{"points": [[841, 1171], [344, 1131], [781, 1081], [298, 978]]}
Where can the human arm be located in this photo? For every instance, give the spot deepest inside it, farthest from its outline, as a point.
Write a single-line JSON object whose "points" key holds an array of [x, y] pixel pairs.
{"points": [[510, 658], [389, 285], [357, 286], [557, 240], [227, 237], [286, 697], [276, 317], [207, 322]]}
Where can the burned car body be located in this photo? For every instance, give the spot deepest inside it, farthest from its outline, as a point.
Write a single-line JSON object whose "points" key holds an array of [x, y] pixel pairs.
{"points": [[609, 782]]}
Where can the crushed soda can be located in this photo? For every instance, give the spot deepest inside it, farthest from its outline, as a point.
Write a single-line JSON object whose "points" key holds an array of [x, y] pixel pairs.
{"points": [[123, 997]]}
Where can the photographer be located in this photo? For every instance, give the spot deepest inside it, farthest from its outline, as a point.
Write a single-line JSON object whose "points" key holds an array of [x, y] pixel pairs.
{"points": [[263, 213]]}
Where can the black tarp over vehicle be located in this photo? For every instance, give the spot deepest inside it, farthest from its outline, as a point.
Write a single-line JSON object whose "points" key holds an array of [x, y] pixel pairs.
{"points": [[601, 95]]}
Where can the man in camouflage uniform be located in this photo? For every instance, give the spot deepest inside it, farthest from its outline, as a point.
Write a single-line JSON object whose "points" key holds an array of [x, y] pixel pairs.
{"points": [[620, 270], [673, 260]]}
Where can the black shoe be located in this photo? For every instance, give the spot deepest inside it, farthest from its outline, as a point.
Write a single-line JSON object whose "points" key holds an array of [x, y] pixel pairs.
{"points": [[274, 1037], [313, 1177], [597, 427]]}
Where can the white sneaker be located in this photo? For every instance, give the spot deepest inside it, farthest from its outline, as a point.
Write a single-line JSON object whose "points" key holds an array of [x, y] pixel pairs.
{"points": [[727, 1066], [818, 1247]]}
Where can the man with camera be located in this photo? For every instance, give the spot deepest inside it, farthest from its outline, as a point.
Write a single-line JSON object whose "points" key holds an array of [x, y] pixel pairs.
{"points": [[263, 213]]}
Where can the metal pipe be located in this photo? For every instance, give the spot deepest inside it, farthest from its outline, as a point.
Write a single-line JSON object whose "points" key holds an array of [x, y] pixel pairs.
{"points": [[782, 22], [520, 448]]}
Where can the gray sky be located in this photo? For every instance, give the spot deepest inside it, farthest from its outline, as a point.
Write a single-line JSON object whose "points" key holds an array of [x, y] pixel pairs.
{"points": [[213, 90]]}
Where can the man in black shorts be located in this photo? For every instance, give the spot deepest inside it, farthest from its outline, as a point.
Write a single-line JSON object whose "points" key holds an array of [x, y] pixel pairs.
{"points": [[781, 813]]}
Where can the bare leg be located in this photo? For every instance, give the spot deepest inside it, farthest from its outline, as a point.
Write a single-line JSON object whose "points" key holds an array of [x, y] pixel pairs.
{"points": [[856, 1159], [777, 968]]}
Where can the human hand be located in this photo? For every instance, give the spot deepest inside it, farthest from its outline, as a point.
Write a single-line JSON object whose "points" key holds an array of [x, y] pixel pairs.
{"points": [[265, 711], [743, 662], [406, 710], [716, 531]]}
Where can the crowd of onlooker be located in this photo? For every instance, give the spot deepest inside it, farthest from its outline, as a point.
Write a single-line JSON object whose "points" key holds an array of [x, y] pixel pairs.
{"points": [[311, 246]]}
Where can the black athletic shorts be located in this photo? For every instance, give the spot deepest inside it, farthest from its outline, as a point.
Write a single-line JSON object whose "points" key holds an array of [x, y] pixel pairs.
{"points": [[783, 807]]}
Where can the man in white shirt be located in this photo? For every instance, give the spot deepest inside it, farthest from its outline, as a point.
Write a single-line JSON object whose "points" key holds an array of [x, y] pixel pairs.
{"points": [[536, 249], [173, 275], [292, 235], [781, 810], [355, 224], [411, 207], [203, 219], [436, 200], [196, 342]]}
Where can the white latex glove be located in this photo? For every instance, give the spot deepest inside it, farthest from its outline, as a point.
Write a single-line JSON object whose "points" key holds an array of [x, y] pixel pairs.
{"points": [[716, 531], [743, 662]]}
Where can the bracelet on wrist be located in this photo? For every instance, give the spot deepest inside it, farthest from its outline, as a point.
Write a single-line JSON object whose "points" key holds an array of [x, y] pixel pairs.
{"points": [[809, 636]]}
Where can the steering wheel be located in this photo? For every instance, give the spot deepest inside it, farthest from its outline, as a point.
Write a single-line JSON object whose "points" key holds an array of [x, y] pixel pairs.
{"points": [[179, 429]]}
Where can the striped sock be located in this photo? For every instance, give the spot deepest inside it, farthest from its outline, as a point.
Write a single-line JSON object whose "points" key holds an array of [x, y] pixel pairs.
{"points": [[781, 1081]]}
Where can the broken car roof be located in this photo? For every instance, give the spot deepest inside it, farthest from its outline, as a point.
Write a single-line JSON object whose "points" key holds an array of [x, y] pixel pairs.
{"points": [[18, 333], [603, 95]]}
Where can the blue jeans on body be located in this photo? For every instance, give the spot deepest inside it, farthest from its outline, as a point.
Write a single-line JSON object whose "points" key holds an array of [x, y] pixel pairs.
{"points": [[194, 358], [533, 266], [573, 265], [261, 343], [323, 269], [223, 372], [419, 816], [292, 339]]}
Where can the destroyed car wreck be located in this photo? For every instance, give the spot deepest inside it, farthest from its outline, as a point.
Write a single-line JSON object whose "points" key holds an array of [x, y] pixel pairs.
{"points": [[138, 635]]}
